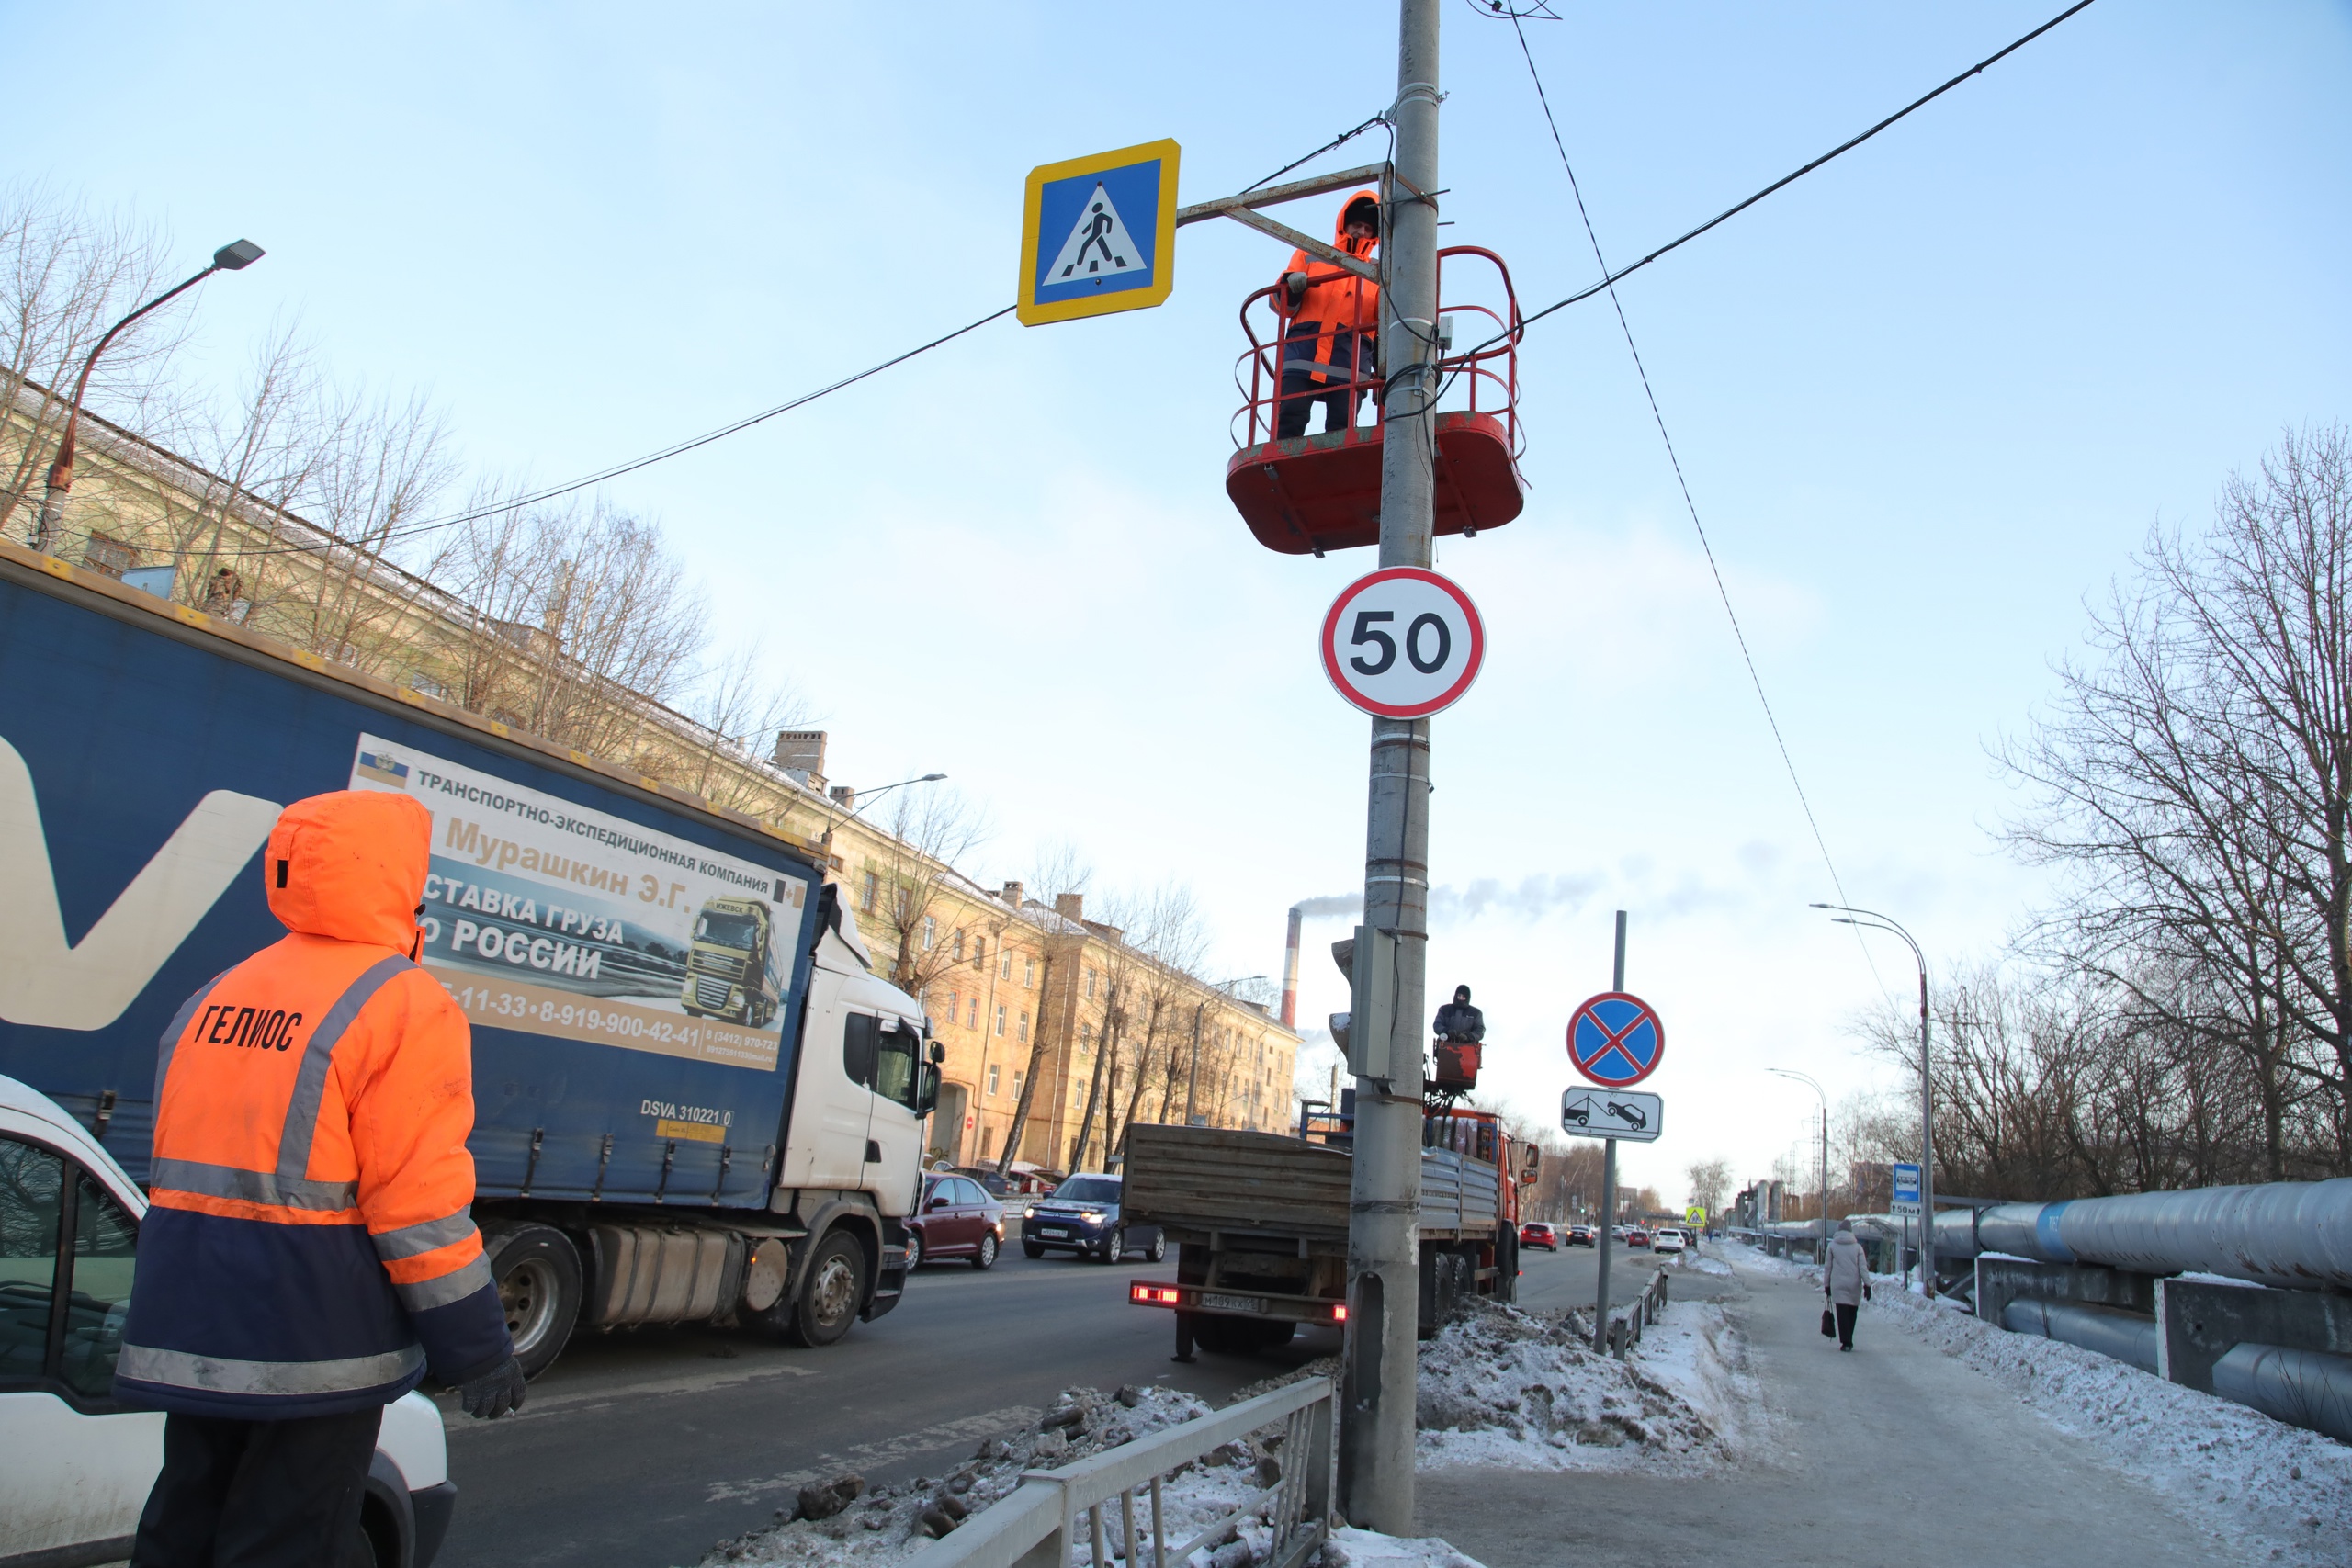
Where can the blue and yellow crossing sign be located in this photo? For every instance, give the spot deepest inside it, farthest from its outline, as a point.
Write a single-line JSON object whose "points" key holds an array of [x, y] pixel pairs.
{"points": [[1099, 234]]}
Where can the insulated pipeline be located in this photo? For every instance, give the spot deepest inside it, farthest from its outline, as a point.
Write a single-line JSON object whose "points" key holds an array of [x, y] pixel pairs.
{"points": [[2291, 1234]]}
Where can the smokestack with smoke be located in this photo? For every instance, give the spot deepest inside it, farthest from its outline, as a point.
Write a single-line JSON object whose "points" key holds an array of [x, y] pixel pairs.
{"points": [[1290, 971]]}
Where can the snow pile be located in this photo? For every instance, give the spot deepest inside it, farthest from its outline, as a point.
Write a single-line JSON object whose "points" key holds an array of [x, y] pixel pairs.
{"points": [[1505, 1387], [1699, 1264], [1353, 1547], [2271, 1487], [843, 1524]]}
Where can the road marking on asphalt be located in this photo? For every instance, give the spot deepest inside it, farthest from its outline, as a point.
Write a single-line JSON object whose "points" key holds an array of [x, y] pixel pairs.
{"points": [[862, 1457], [456, 1420]]}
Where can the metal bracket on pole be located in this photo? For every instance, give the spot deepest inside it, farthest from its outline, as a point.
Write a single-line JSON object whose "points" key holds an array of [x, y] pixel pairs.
{"points": [[1243, 209]]}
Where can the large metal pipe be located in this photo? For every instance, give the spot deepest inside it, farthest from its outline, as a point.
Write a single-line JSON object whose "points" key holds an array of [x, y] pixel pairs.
{"points": [[2297, 1235], [2111, 1331], [2303, 1387]]}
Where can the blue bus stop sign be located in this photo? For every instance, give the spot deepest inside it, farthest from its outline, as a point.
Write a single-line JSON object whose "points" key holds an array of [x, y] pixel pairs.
{"points": [[1907, 1189], [1616, 1038]]}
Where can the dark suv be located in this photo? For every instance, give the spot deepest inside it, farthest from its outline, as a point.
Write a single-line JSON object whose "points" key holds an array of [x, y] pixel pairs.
{"points": [[1081, 1215]]}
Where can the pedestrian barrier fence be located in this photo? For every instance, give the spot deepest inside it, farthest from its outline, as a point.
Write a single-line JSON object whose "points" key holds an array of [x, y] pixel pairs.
{"points": [[1097, 1498], [1625, 1328]]}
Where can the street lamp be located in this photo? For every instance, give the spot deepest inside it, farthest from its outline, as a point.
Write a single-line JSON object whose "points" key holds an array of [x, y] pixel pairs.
{"points": [[1193, 1084], [1803, 1078], [234, 257], [871, 796], [1877, 922]]}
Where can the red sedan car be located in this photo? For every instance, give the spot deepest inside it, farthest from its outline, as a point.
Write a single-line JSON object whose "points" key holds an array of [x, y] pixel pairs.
{"points": [[956, 1218], [1536, 1233]]}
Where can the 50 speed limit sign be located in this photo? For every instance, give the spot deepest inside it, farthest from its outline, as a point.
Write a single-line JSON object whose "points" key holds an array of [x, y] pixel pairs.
{"points": [[1403, 643]]}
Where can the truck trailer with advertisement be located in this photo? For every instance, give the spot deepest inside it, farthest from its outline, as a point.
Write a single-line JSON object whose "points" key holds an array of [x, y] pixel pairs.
{"points": [[693, 1099], [1260, 1222]]}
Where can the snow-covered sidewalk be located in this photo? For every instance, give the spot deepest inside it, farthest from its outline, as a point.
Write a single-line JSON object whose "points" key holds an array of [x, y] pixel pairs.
{"points": [[1899, 1453]]}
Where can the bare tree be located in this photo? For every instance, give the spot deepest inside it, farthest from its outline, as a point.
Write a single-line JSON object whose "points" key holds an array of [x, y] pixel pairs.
{"points": [[741, 706], [2197, 780], [1710, 1180], [1061, 937], [928, 830], [67, 274]]}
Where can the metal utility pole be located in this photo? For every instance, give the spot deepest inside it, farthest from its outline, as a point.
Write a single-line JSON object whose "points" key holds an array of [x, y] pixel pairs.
{"points": [[1384, 1222], [1608, 1180]]}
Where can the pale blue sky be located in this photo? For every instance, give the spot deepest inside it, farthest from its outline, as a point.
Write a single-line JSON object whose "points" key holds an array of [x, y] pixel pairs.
{"points": [[1928, 400]]}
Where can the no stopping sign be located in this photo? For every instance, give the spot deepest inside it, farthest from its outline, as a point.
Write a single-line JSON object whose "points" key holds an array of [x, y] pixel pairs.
{"points": [[1403, 643]]}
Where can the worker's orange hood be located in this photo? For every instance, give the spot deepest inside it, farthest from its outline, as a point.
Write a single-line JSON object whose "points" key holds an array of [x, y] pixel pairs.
{"points": [[1340, 225], [350, 864]]}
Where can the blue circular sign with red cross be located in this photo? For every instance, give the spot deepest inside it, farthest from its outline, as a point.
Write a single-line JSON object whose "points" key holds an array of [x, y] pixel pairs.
{"points": [[1616, 1038]]}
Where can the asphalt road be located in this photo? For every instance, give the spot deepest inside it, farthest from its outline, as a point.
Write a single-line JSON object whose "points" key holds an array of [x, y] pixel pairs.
{"points": [[640, 1449]]}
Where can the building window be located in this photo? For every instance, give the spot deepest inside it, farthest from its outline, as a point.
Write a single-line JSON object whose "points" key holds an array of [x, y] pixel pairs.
{"points": [[1016, 1080], [999, 1018], [1024, 1029], [979, 952], [959, 947], [1004, 964], [110, 556], [1029, 974], [988, 1139], [954, 1005], [930, 933], [973, 1022], [1090, 984], [869, 895], [1086, 1037], [993, 1067]]}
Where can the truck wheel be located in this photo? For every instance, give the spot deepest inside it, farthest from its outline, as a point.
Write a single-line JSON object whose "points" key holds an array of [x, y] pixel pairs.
{"points": [[914, 1250], [1222, 1335], [986, 1257], [537, 1272], [832, 1288], [1272, 1333]]}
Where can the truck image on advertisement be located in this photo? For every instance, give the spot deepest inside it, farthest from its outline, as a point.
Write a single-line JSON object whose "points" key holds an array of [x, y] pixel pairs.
{"points": [[641, 1157], [731, 972]]}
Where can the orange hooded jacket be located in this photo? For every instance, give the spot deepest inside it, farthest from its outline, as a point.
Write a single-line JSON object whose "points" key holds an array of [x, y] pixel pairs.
{"points": [[309, 1246], [1335, 301]]}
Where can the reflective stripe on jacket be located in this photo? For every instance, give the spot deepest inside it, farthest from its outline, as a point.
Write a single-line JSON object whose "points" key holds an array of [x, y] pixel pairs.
{"points": [[308, 1248], [1336, 302]]}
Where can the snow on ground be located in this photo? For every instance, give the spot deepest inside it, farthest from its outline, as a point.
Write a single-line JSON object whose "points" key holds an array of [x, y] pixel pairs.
{"points": [[1526, 1391], [2256, 1481], [2271, 1487], [841, 1524]]}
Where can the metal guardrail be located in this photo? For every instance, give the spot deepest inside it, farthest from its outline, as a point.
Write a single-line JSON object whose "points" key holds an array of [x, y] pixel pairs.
{"points": [[1625, 1328], [1040, 1523]]}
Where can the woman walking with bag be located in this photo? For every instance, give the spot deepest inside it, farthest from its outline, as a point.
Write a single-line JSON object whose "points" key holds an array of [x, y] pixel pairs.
{"points": [[1846, 1280]]}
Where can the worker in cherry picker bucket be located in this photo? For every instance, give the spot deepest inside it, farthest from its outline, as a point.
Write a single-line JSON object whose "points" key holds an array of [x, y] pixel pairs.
{"points": [[1331, 320]]}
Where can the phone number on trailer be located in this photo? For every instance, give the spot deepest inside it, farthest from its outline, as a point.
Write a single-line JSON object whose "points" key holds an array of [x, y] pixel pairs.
{"points": [[490, 1002]]}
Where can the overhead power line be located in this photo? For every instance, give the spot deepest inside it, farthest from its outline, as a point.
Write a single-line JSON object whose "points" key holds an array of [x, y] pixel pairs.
{"points": [[1793, 176], [1722, 592]]}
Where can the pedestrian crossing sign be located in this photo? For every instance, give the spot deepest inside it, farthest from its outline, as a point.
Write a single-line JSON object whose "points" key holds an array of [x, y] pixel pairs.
{"points": [[1097, 234]]}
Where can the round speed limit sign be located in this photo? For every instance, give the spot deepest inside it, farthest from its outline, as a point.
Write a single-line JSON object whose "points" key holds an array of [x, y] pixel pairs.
{"points": [[1403, 643]]}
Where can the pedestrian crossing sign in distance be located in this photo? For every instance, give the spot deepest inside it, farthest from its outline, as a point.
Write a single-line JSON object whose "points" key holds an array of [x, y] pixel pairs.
{"points": [[1097, 234]]}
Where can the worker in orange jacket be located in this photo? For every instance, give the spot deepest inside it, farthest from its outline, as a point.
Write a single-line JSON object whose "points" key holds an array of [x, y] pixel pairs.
{"points": [[1331, 324], [309, 1252]]}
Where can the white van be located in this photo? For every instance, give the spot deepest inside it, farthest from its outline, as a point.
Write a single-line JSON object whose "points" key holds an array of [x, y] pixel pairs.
{"points": [[78, 1467]]}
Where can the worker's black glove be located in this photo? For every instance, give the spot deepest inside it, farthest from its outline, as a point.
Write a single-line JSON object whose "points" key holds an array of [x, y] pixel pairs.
{"points": [[1866, 1292], [496, 1392]]}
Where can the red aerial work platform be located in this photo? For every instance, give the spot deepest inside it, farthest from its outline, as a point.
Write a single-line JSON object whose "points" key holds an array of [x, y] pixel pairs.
{"points": [[1307, 495]]}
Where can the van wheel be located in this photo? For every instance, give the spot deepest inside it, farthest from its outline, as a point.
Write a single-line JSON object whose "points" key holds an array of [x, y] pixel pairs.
{"points": [[1114, 1249], [831, 1290], [538, 1273]]}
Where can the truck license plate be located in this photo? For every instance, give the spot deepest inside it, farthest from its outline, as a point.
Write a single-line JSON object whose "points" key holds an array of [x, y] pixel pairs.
{"points": [[1232, 1303]]}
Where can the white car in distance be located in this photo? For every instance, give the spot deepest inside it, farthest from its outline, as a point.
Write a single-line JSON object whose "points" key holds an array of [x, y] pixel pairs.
{"points": [[78, 1466], [1669, 1240]]}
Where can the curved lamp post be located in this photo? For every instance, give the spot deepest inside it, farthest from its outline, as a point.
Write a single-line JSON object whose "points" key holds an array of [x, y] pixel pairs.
{"points": [[1874, 922], [232, 257], [871, 796], [1807, 1079]]}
